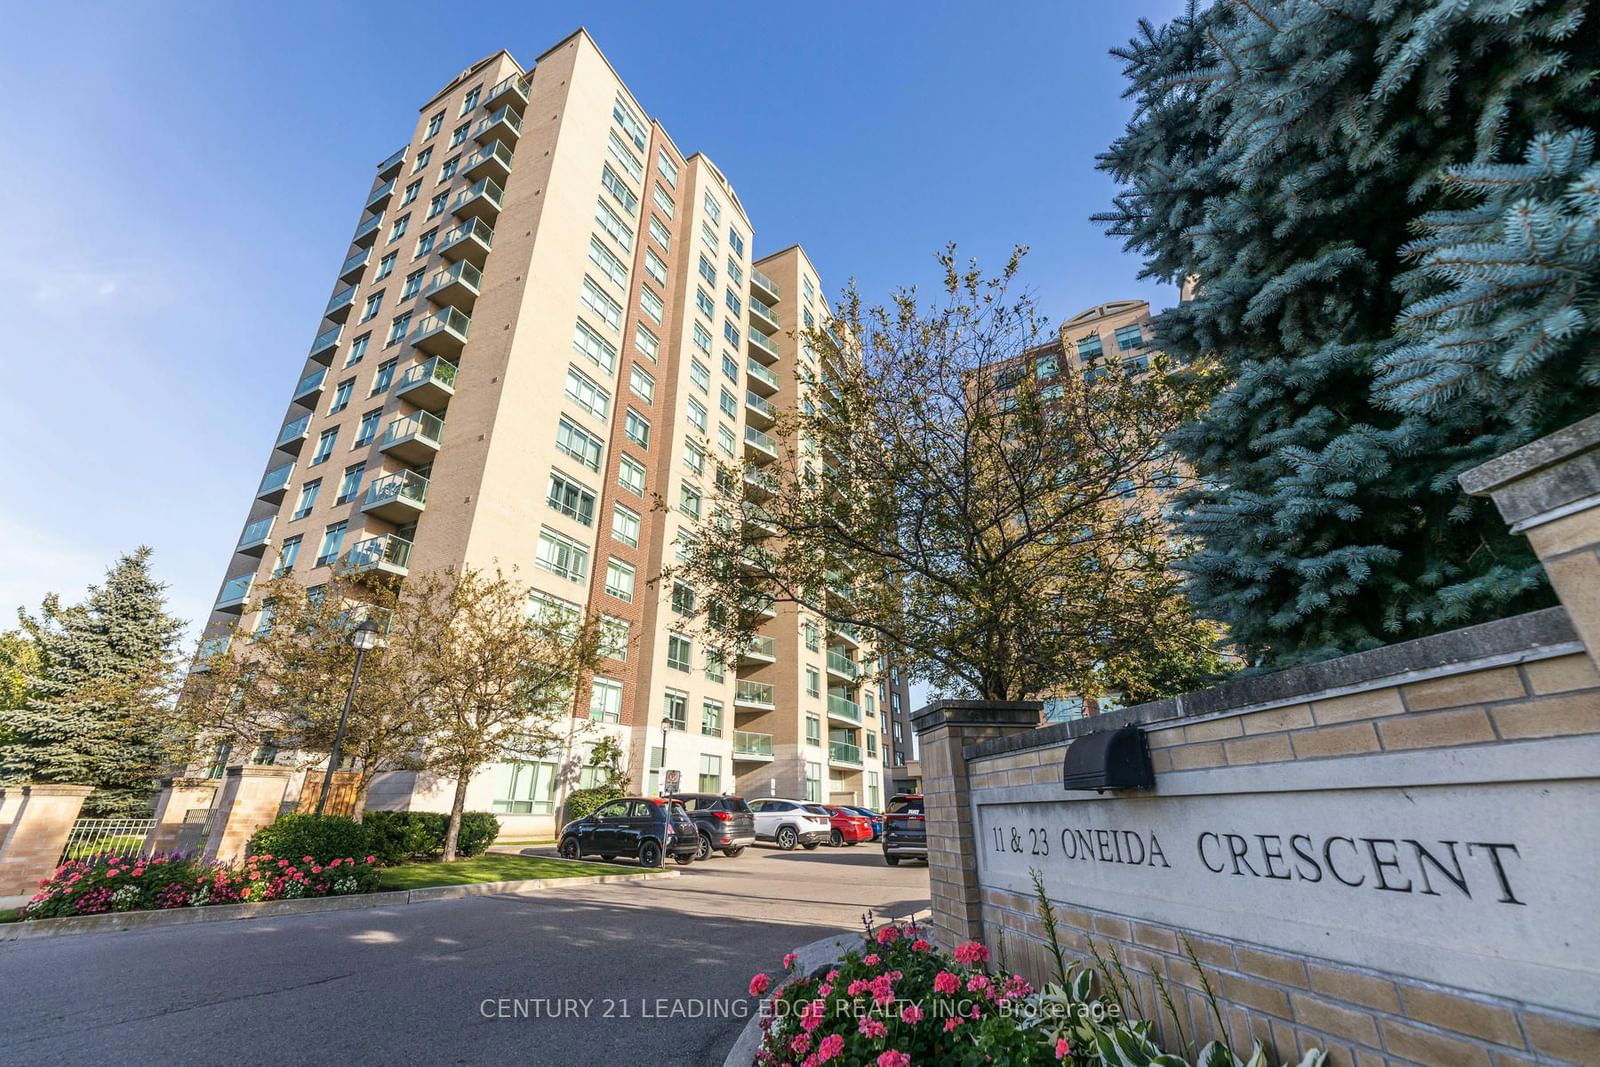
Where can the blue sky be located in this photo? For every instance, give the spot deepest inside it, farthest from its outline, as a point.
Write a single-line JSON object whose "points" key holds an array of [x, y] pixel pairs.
{"points": [[184, 179]]}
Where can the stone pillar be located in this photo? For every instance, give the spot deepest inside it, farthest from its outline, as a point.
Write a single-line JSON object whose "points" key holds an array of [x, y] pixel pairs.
{"points": [[1549, 489], [178, 797], [39, 830], [10, 800], [944, 730], [251, 796]]}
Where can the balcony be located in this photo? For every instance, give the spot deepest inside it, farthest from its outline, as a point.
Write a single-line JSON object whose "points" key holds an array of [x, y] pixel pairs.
{"points": [[327, 342], [760, 409], [398, 498], [844, 752], [391, 166], [758, 519], [294, 434], [762, 314], [842, 666], [493, 160], [235, 594], [444, 333], [759, 650], [388, 554], [753, 695], [470, 241], [275, 483], [752, 747], [763, 346], [429, 385], [355, 265], [758, 446], [340, 303], [458, 286], [503, 124], [309, 391], [847, 634], [843, 708], [760, 484], [764, 287], [480, 200], [256, 536], [367, 233], [512, 90], [761, 379], [413, 438], [380, 196]]}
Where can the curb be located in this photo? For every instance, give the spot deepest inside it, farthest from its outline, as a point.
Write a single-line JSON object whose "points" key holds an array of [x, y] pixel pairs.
{"points": [[33, 930]]}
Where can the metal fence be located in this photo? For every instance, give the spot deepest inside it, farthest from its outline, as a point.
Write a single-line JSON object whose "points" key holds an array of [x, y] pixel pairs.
{"points": [[90, 837], [199, 827]]}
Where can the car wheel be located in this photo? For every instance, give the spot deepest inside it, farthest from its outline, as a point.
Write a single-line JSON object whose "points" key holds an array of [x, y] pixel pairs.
{"points": [[733, 853], [893, 861], [686, 858], [649, 854], [811, 845], [835, 838], [704, 851], [787, 838], [570, 849]]}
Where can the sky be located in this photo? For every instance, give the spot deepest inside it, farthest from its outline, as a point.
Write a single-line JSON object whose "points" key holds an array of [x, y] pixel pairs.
{"points": [[184, 178]]}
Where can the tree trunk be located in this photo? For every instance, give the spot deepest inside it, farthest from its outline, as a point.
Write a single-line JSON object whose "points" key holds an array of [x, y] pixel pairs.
{"points": [[362, 785], [453, 828]]}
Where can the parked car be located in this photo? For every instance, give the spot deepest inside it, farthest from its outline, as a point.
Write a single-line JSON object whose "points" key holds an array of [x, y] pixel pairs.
{"points": [[787, 823], [724, 822], [650, 828], [849, 827], [874, 817], [905, 833]]}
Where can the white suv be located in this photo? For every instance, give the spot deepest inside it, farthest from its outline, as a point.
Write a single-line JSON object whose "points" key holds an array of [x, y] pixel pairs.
{"points": [[787, 823]]}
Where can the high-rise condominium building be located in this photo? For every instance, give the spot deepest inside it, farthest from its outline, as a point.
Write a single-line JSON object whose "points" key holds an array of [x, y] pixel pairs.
{"points": [[548, 319]]}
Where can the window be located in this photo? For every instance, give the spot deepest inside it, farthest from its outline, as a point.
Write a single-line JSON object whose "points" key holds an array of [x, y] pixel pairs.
{"points": [[680, 653], [370, 308], [350, 483], [663, 200], [398, 327], [729, 405], [1047, 367], [630, 475], [735, 275], [332, 541], [625, 525], [1089, 347], [413, 284], [813, 682], [711, 768], [287, 554], [601, 353], [614, 637], [645, 341], [689, 501], [711, 726], [562, 556], [702, 337], [629, 122], [730, 333], [898, 739], [605, 700], [436, 206], [708, 236], [1130, 336], [587, 394], [358, 348], [596, 300], [399, 228], [579, 444], [570, 498], [713, 208], [736, 241], [655, 266], [643, 386], [682, 598], [694, 458], [458, 135], [324, 446], [385, 266], [872, 744], [435, 124], [612, 224], [812, 641], [716, 670], [619, 189], [725, 439], [341, 396], [652, 304], [368, 428], [524, 787], [1063, 709], [384, 378], [424, 157], [624, 155], [668, 169], [810, 321], [809, 289], [448, 170], [636, 428], [659, 231], [697, 414], [731, 301], [619, 580], [609, 264], [730, 368], [1136, 365], [813, 730], [308, 499], [425, 242], [471, 100], [814, 782], [707, 271], [703, 301], [700, 376]]}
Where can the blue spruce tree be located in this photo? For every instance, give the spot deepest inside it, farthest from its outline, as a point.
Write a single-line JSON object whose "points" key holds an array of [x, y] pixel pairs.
{"points": [[1283, 153]]}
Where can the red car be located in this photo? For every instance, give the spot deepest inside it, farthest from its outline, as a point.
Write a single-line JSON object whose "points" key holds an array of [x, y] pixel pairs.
{"points": [[848, 826]]}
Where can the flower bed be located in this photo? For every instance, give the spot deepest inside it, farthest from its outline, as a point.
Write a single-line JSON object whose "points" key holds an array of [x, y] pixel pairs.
{"points": [[112, 882]]}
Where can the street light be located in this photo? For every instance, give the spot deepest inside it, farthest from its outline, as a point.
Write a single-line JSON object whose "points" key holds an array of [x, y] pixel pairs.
{"points": [[363, 640], [666, 724]]}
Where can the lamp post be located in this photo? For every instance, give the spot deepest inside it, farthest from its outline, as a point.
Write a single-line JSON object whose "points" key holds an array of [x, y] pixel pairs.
{"points": [[363, 640], [666, 724]]}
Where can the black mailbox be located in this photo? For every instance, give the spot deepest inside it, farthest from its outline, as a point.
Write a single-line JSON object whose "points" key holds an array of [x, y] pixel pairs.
{"points": [[1112, 759]]}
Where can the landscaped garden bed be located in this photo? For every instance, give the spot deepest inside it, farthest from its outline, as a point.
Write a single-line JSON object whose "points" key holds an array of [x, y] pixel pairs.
{"points": [[486, 868]]}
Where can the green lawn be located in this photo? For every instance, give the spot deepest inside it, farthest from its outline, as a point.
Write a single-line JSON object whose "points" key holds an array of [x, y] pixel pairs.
{"points": [[488, 867], [9, 915]]}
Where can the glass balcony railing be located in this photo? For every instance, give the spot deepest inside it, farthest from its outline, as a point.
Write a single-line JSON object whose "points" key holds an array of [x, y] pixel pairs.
{"points": [[443, 331], [235, 592], [492, 160], [761, 481], [311, 384], [759, 440], [386, 553], [757, 693], [418, 424], [397, 157], [381, 194], [462, 278], [276, 480], [761, 404], [353, 266], [515, 86], [502, 123], [367, 232], [471, 240], [428, 385], [748, 743], [845, 630], [759, 647], [326, 342], [761, 281], [764, 309], [256, 534], [843, 708], [482, 197], [844, 752], [339, 304], [764, 344], [406, 488], [758, 373], [294, 432], [843, 665]]}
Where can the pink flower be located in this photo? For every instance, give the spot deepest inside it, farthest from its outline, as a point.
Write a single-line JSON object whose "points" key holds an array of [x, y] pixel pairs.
{"points": [[801, 1044], [824, 989], [316, 869], [308, 859], [870, 959], [972, 952], [947, 983], [871, 1028], [830, 1047], [811, 1015], [977, 983], [283, 863], [919, 945], [1063, 1050], [759, 985], [857, 987], [372, 859], [833, 975], [334, 862], [788, 961], [951, 1024], [894, 1058], [911, 1014], [1017, 986], [888, 934]]}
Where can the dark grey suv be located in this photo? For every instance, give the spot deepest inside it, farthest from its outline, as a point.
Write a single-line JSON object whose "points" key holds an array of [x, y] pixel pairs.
{"points": [[905, 831]]}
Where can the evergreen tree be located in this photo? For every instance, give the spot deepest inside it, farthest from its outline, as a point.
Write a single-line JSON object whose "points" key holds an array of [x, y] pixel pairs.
{"points": [[97, 710], [1282, 152]]}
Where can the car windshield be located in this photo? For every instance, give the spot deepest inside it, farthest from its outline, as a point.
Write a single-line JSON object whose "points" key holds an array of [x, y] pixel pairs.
{"points": [[905, 806], [818, 809]]}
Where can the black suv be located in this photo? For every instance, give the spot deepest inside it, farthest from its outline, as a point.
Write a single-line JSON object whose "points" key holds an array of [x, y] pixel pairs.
{"points": [[724, 822], [647, 827], [905, 832]]}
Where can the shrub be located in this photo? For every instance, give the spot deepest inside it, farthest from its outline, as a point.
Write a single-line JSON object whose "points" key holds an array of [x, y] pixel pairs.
{"points": [[581, 802], [397, 836], [477, 833], [322, 837]]}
